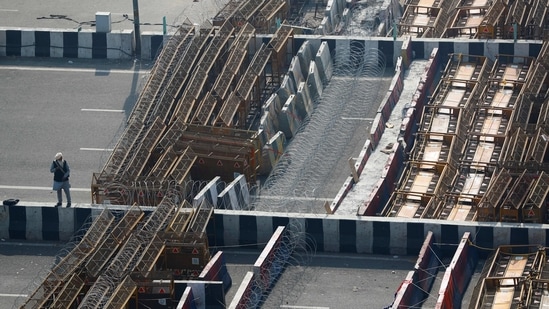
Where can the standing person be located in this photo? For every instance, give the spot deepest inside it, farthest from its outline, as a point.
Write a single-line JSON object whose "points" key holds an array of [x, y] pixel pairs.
{"points": [[61, 172]]}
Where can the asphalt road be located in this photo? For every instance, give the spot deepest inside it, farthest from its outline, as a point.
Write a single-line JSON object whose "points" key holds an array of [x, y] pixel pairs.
{"points": [[323, 281], [77, 107], [67, 14]]}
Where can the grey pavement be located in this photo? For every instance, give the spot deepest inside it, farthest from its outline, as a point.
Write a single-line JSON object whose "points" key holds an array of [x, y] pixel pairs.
{"points": [[77, 107], [67, 14]]}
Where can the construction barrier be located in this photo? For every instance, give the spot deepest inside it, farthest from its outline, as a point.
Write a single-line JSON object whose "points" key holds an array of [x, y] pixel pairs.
{"points": [[216, 270], [66, 43], [266, 270], [415, 288], [386, 183], [458, 274], [186, 301], [431, 75]]}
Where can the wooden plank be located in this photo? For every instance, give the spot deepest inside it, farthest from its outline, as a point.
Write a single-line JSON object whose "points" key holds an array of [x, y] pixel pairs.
{"points": [[483, 153], [422, 182]]}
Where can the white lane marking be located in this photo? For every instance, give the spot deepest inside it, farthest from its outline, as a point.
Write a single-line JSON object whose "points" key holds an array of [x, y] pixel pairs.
{"points": [[303, 307], [296, 198], [13, 295], [357, 118], [8, 10], [41, 188], [80, 70], [97, 149], [102, 110]]}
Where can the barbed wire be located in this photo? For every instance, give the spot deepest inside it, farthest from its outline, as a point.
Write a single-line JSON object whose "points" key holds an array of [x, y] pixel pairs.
{"points": [[312, 155]]}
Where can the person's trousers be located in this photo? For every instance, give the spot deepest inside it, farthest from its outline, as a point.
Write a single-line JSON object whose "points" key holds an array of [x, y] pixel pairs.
{"points": [[65, 187]]}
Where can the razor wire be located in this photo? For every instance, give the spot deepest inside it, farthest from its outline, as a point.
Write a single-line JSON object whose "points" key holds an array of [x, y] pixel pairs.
{"points": [[130, 255], [71, 247], [311, 156], [290, 260], [148, 193]]}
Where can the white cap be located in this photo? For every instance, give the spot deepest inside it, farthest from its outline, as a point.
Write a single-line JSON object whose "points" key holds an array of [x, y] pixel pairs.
{"points": [[58, 156]]}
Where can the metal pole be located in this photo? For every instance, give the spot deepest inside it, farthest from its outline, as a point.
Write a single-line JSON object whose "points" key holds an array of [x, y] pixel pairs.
{"points": [[137, 31]]}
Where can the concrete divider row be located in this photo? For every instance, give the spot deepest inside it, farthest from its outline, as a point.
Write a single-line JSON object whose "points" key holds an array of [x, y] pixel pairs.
{"points": [[266, 270], [216, 270], [66, 43], [353, 234], [285, 110], [235, 195], [458, 274], [71, 43], [386, 184], [378, 127], [415, 288], [425, 89], [186, 301], [204, 292]]}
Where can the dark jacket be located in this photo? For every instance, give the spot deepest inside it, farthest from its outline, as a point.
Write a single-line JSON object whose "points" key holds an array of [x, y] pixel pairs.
{"points": [[61, 172]]}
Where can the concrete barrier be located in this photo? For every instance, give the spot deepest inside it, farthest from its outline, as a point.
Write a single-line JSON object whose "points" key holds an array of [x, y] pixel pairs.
{"points": [[66, 43], [209, 193], [458, 274], [216, 270], [186, 301], [235, 195], [386, 183], [243, 298], [266, 269], [357, 234]]}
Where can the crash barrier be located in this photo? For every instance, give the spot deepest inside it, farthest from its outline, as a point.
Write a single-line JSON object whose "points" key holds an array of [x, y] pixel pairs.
{"points": [[71, 43], [292, 103], [362, 234], [458, 274], [415, 288], [66, 43], [425, 89], [406, 53], [386, 184], [216, 270], [192, 294], [386, 107], [266, 270], [186, 301]]}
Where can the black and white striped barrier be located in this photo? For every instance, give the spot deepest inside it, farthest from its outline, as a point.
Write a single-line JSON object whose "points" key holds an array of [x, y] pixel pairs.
{"points": [[66, 43], [331, 233], [119, 44]]}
